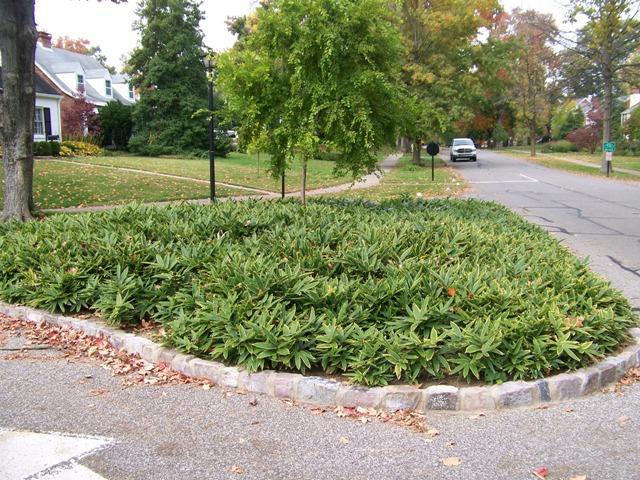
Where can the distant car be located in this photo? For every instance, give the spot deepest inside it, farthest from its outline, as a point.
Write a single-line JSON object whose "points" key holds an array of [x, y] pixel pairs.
{"points": [[463, 148]]}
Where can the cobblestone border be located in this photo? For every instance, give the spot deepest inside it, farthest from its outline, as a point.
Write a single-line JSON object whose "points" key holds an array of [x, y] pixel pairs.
{"points": [[324, 392]]}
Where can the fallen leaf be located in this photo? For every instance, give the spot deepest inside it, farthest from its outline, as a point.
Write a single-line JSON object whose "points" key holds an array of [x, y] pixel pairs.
{"points": [[581, 477], [451, 291], [343, 440], [541, 472], [236, 469], [432, 432], [475, 417], [206, 386], [253, 402], [451, 462], [622, 421], [451, 444], [569, 410]]}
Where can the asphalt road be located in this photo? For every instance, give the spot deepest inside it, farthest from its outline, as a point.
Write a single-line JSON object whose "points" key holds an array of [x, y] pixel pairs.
{"points": [[597, 218], [185, 432]]}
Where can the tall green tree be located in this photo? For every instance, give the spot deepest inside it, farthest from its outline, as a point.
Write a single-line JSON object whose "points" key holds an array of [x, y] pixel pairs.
{"points": [[116, 122], [439, 67], [603, 52], [18, 37], [316, 72], [167, 70]]}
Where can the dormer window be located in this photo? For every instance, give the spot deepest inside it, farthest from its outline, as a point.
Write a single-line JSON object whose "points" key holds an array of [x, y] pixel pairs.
{"points": [[80, 82], [107, 85], [131, 93]]}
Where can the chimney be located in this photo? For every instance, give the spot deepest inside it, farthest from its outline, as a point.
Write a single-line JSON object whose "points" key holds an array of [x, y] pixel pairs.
{"points": [[44, 39]]}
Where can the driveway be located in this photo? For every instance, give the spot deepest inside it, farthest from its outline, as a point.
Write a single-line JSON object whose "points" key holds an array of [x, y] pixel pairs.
{"points": [[597, 218]]}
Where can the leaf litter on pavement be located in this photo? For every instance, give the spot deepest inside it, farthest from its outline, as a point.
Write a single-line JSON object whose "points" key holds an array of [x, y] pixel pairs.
{"points": [[132, 370]]}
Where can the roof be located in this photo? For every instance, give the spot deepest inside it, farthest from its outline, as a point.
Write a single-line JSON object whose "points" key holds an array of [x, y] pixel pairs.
{"points": [[56, 61], [41, 86]]}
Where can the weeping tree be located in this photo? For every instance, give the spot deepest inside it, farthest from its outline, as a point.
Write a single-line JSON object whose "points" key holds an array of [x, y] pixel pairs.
{"points": [[310, 73]]}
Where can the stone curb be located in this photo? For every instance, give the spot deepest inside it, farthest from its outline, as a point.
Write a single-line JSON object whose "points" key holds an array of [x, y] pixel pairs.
{"points": [[324, 392]]}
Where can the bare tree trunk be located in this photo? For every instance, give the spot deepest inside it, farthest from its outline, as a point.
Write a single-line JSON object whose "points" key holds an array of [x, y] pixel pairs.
{"points": [[416, 151], [18, 37], [532, 136], [606, 121]]}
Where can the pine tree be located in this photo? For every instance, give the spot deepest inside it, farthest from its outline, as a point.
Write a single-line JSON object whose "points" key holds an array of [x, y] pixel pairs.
{"points": [[168, 73]]}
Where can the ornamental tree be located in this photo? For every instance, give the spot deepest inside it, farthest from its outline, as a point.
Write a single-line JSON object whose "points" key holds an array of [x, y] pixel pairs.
{"points": [[316, 72]]}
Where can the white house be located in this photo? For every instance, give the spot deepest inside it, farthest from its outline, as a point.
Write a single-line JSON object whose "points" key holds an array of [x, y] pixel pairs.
{"points": [[72, 73], [631, 103], [47, 124]]}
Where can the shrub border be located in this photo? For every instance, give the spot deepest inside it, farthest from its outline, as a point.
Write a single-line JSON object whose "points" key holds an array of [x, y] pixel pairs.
{"points": [[325, 392]]}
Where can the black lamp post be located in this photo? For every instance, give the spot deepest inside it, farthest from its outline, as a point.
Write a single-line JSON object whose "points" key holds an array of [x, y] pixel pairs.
{"points": [[207, 59]]}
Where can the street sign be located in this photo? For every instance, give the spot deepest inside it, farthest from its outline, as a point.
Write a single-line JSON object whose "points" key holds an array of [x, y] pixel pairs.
{"points": [[433, 149], [609, 146], [608, 156]]}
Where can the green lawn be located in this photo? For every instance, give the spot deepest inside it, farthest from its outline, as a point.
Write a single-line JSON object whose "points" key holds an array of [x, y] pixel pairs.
{"points": [[109, 180], [412, 181], [236, 169], [572, 162]]}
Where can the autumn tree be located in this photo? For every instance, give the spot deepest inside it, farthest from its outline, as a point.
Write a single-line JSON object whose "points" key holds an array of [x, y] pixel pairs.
{"points": [[589, 136], [18, 38], [79, 117], [439, 70], [535, 64], [316, 72], [603, 52], [83, 47]]}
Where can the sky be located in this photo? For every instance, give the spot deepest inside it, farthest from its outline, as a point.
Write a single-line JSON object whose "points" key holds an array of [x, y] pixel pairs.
{"points": [[108, 25]]}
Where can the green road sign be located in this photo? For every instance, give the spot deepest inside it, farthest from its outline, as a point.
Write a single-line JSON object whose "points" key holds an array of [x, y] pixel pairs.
{"points": [[609, 146]]}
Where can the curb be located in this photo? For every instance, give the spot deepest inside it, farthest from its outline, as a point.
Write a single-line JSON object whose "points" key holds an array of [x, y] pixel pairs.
{"points": [[329, 393]]}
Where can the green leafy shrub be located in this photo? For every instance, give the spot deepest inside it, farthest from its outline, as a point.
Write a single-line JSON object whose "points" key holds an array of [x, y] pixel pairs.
{"points": [[399, 290], [42, 149], [562, 146]]}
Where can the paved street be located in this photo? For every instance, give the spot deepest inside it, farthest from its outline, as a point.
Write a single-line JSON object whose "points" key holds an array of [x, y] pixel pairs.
{"points": [[187, 432], [598, 218]]}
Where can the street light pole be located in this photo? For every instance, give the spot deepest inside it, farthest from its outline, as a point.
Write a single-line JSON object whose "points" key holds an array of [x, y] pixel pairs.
{"points": [[208, 65]]}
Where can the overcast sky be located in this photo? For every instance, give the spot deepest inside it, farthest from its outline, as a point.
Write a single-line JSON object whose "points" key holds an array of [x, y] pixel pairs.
{"points": [[108, 25]]}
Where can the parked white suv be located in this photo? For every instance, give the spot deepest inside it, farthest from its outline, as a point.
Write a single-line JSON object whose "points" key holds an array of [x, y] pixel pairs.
{"points": [[463, 148]]}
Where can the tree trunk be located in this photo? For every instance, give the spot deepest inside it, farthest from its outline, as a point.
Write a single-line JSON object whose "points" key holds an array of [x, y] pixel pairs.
{"points": [[606, 121], [303, 189], [416, 151], [532, 136], [18, 38]]}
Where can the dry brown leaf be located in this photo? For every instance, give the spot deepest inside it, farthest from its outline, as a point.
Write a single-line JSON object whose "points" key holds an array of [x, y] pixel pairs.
{"points": [[343, 440], [451, 462], [581, 477], [236, 469]]}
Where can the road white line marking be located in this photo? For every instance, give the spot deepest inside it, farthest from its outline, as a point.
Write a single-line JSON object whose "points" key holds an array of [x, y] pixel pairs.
{"points": [[527, 180], [49, 456]]}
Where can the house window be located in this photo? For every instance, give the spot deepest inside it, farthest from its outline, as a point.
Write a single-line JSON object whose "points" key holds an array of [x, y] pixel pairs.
{"points": [[38, 127], [80, 82], [131, 94], [107, 84]]}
